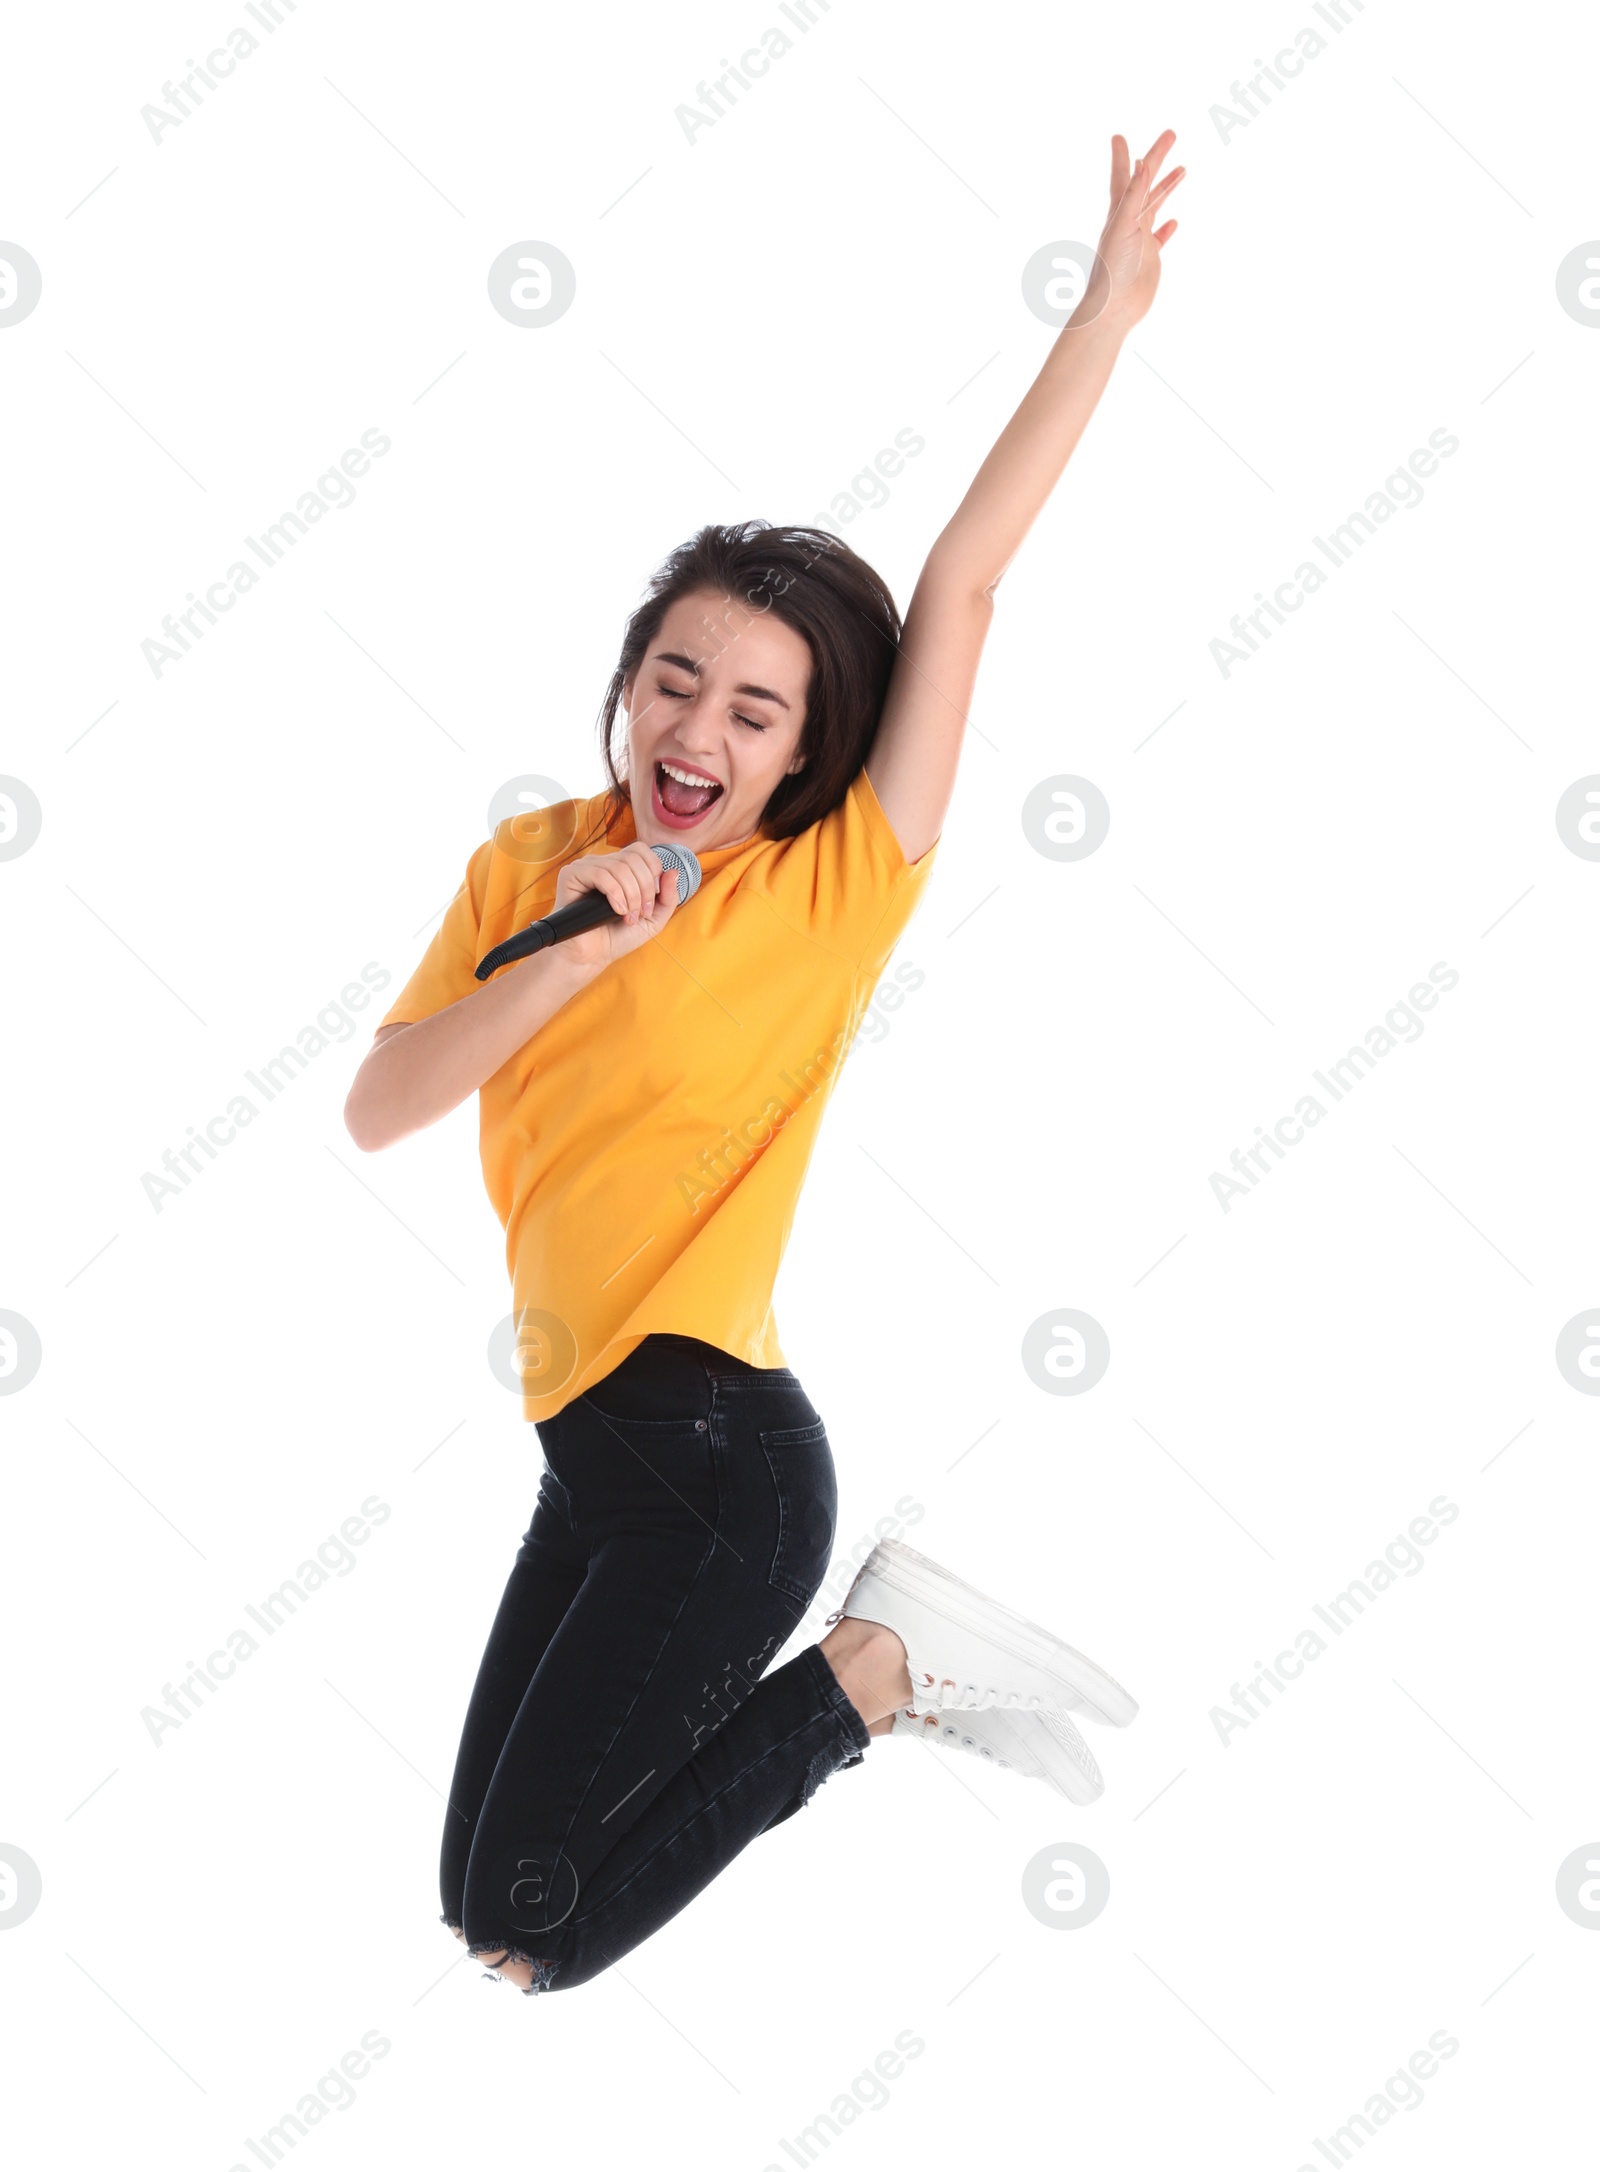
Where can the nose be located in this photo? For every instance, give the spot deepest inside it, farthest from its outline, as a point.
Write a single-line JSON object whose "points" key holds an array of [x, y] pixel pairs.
{"points": [[696, 737]]}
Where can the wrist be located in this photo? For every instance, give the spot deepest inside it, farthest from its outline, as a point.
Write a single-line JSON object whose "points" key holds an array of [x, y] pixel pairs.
{"points": [[1086, 351], [569, 970], [550, 977], [1097, 325]]}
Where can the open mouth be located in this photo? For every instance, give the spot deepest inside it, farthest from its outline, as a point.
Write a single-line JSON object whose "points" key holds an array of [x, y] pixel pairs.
{"points": [[683, 799]]}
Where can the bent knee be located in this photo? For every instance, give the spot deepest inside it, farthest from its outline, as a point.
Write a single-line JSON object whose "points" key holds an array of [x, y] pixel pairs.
{"points": [[528, 1975], [494, 1958], [513, 1971]]}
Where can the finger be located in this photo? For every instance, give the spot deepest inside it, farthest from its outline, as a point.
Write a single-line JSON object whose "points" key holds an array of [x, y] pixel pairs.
{"points": [[1144, 173], [618, 889], [610, 883], [652, 875], [1155, 200], [642, 858], [637, 868], [663, 903], [641, 868], [1119, 167], [1154, 157], [1164, 234], [1125, 211]]}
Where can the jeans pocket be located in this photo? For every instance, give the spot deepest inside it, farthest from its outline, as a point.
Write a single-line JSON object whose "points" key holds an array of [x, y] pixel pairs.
{"points": [[644, 1473], [801, 1463], [660, 1382]]}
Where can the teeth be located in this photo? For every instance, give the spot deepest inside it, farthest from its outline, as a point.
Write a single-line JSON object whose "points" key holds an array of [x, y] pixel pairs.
{"points": [[685, 776]]}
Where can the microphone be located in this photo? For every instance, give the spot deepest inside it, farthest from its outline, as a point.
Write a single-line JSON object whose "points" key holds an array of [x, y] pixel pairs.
{"points": [[592, 910]]}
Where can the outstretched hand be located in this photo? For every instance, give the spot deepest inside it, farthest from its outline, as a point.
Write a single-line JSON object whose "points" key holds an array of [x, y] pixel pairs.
{"points": [[1128, 270]]}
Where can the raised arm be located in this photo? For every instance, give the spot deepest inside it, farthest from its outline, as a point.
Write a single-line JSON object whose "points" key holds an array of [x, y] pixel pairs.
{"points": [[913, 759]]}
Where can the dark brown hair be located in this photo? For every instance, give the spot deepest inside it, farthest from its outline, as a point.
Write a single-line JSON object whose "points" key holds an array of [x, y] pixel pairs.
{"points": [[841, 609]]}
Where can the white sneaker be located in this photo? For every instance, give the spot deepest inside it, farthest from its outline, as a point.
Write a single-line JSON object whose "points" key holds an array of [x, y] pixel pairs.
{"points": [[966, 1652], [1089, 1711], [1038, 1745]]}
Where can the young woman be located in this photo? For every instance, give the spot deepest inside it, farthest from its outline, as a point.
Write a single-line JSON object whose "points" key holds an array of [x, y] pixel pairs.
{"points": [[650, 1093]]}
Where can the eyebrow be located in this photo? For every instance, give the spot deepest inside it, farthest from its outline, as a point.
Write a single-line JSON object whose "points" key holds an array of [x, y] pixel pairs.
{"points": [[685, 663]]}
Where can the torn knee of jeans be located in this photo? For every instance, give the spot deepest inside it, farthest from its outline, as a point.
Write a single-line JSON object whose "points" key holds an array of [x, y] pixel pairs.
{"points": [[542, 1971], [506, 1952]]}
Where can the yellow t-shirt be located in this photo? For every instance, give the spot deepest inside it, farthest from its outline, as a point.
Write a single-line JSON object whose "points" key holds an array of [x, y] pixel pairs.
{"points": [[645, 1149]]}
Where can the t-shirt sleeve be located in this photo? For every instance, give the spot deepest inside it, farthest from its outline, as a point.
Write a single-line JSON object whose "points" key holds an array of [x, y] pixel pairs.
{"points": [[846, 883], [899, 881], [447, 970]]}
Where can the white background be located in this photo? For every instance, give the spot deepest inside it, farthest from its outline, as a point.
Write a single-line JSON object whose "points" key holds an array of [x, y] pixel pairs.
{"points": [[1371, 259]]}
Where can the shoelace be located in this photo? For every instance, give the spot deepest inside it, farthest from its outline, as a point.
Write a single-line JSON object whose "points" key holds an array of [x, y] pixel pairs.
{"points": [[971, 1697], [950, 1733]]}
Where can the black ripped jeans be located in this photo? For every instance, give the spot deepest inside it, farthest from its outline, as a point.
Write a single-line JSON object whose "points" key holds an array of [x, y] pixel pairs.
{"points": [[624, 1741]]}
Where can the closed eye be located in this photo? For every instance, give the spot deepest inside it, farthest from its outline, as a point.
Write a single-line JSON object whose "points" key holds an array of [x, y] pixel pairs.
{"points": [[673, 695]]}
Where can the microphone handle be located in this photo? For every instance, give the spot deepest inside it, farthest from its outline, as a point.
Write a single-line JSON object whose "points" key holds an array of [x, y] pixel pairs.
{"points": [[592, 910]]}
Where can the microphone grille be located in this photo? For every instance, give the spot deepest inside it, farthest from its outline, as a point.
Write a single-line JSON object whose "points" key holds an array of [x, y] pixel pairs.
{"points": [[684, 864]]}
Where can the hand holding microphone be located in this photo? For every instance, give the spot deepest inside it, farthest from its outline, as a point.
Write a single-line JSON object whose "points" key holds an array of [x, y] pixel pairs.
{"points": [[606, 905]]}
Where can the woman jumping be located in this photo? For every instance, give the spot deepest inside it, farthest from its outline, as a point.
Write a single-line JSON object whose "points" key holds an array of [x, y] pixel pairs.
{"points": [[650, 1094]]}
